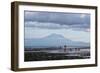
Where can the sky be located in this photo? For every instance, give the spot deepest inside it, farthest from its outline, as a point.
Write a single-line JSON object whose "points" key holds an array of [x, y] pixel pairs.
{"points": [[73, 26]]}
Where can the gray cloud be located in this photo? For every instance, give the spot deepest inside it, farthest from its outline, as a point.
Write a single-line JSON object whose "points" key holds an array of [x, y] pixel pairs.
{"points": [[56, 20], [45, 25], [57, 17]]}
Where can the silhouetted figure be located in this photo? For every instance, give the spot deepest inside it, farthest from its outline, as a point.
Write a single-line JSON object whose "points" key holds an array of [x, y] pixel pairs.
{"points": [[65, 47]]}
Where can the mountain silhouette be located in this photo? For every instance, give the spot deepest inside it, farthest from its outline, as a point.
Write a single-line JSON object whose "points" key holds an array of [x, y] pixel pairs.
{"points": [[55, 36], [53, 40]]}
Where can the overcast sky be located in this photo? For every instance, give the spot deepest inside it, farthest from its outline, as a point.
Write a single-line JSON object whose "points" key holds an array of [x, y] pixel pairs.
{"points": [[73, 26]]}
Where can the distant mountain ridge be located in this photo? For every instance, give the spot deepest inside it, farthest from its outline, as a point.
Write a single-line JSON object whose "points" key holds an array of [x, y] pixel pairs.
{"points": [[53, 40], [55, 36]]}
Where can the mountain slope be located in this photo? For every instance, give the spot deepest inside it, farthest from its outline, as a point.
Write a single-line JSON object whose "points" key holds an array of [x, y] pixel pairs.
{"points": [[53, 40]]}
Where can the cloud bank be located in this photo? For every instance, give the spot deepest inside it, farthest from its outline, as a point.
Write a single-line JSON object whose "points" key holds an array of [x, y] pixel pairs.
{"points": [[57, 20], [45, 25]]}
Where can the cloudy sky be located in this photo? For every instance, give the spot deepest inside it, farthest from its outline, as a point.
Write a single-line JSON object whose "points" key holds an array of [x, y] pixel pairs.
{"points": [[73, 26]]}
